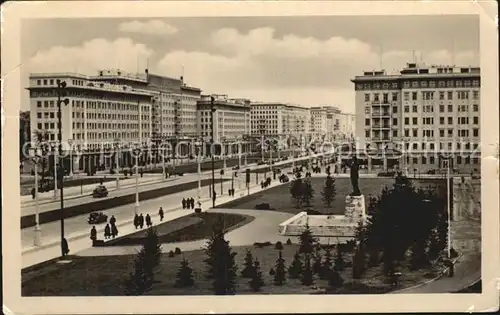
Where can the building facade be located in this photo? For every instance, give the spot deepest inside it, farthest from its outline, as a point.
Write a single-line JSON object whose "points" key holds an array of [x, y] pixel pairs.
{"points": [[421, 116], [231, 120], [346, 126], [279, 119]]}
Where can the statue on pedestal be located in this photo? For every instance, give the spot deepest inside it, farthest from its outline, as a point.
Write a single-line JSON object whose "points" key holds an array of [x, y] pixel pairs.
{"points": [[355, 176]]}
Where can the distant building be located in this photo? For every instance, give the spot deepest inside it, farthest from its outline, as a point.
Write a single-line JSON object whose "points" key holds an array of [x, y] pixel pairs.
{"points": [[279, 119], [231, 119], [428, 111], [324, 121]]}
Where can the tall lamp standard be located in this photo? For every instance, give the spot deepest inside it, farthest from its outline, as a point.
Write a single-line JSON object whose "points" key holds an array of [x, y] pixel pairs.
{"points": [[137, 207], [446, 158], [70, 144], [54, 151], [61, 85], [212, 149], [117, 162], [198, 151], [38, 232]]}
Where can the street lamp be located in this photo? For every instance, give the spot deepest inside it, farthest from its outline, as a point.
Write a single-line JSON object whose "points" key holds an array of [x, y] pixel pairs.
{"points": [[198, 145], [61, 85], [446, 158], [38, 232], [212, 149], [117, 153], [54, 154], [70, 144], [137, 205]]}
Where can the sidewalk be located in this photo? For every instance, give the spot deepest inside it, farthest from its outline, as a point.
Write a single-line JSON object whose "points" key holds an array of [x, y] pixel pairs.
{"points": [[79, 241]]}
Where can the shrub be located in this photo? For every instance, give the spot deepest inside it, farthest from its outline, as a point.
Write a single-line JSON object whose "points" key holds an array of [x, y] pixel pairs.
{"points": [[280, 274], [278, 246], [262, 244], [263, 206], [171, 254], [177, 251], [256, 282], [288, 242], [295, 269], [248, 265], [272, 272]]}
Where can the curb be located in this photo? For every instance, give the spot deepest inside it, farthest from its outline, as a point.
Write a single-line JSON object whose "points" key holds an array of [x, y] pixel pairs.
{"points": [[440, 275]]}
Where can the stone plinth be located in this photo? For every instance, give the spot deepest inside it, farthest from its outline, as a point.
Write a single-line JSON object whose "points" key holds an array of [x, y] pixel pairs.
{"points": [[355, 209]]}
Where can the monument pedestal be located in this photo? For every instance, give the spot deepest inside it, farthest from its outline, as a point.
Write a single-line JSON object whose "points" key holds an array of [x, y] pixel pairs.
{"points": [[355, 209]]}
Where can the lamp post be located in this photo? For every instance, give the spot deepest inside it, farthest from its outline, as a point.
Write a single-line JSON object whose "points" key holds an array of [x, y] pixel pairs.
{"points": [[38, 232], [448, 208], [61, 85], [137, 205], [163, 171], [55, 172], [70, 144], [198, 160], [212, 149], [239, 155], [117, 167]]}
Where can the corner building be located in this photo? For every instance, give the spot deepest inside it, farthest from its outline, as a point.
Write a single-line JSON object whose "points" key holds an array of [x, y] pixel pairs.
{"points": [[419, 117]]}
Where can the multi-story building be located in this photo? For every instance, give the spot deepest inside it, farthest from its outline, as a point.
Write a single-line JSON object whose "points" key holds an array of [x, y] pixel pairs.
{"points": [[231, 120], [326, 121], [345, 126], [427, 113], [113, 107], [279, 119]]}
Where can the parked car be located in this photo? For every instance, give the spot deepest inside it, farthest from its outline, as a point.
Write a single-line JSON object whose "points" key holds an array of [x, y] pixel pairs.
{"points": [[97, 218], [261, 163], [386, 174], [431, 172], [100, 192], [46, 186]]}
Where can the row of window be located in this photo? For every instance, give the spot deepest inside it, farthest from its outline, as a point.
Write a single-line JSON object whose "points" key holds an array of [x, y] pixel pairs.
{"points": [[431, 160], [456, 83]]}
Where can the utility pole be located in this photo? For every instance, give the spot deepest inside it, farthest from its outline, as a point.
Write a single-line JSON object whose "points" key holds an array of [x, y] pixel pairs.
{"points": [[212, 148], [61, 85]]}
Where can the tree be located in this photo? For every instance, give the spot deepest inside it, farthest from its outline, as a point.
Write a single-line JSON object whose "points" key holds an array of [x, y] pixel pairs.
{"points": [[307, 241], [295, 269], [307, 274], [335, 279], [317, 266], [359, 263], [296, 190], [339, 260], [280, 274], [184, 276], [326, 267], [40, 139], [307, 192], [329, 191], [221, 267], [147, 260], [248, 265], [257, 281]]}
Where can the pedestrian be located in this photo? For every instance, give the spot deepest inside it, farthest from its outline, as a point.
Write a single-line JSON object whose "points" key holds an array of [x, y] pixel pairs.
{"points": [[33, 192], [136, 221], [141, 221], [148, 220], [114, 231], [64, 247], [107, 231], [192, 203], [112, 221], [183, 203], [214, 196], [93, 234], [161, 213]]}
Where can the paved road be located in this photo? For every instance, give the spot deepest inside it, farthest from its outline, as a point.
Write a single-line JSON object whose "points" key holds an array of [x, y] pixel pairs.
{"points": [[79, 239]]}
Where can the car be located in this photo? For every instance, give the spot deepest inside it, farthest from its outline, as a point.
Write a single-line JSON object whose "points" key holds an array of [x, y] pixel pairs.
{"points": [[431, 172], [260, 163], [386, 174], [97, 218], [100, 192]]}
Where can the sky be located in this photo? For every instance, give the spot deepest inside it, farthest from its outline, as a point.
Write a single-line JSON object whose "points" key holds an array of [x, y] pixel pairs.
{"points": [[303, 60]]}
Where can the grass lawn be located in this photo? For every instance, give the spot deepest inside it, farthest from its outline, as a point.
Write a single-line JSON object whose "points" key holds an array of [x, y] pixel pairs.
{"points": [[280, 198], [189, 228], [105, 275]]}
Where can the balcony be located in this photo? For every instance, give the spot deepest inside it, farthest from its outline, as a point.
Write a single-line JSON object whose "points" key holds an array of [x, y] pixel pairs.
{"points": [[381, 126], [376, 113]]}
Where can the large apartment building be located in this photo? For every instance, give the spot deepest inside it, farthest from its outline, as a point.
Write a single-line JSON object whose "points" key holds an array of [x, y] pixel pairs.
{"points": [[279, 119], [113, 107], [324, 121], [428, 113], [231, 120]]}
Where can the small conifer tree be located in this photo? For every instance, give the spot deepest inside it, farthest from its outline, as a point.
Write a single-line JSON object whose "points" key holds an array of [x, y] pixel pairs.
{"points": [[256, 281], [248, 265], [280, 274], [295, 269], [184, 276], [339, 260], [307, 274], [326, 267]]}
